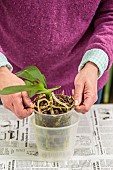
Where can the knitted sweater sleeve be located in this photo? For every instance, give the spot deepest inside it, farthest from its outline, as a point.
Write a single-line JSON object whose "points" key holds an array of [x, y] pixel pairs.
{"points": [[102, 37]]}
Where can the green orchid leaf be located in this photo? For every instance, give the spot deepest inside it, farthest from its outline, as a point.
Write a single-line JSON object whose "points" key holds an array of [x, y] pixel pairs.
{"points": [[28, 82], [20, 88], [32, 73], [32, 92], [47, 91], [44, 81], [53, 89], [26, 75]]}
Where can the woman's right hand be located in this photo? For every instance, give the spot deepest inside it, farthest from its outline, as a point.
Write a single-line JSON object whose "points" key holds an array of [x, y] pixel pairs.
{"points": [[18, 103]]}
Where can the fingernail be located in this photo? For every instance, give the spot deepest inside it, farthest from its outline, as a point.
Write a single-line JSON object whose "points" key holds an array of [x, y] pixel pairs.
{"points": [[76, 103], [73, 92], [31, 105]]}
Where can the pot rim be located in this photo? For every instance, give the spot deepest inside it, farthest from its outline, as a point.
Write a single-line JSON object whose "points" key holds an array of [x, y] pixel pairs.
{"points": [[58, 115], [55, 128]]}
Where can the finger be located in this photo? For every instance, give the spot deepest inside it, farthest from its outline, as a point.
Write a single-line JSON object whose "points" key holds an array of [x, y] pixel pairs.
{"points": [[76, 101], [78, 94], [19, 114], [22, 112], [7, 103], [19, 108], [14, 103], [10, 107], [84, 107], [72, 92], [26, 100], [88, 102]]}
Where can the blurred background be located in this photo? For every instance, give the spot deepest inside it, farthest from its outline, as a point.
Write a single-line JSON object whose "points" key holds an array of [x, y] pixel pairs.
{"points": [[107, 96]]}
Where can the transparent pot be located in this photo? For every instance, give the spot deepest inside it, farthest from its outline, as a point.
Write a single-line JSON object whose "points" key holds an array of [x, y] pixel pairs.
{"points": [[56, 143], [46, 120]]}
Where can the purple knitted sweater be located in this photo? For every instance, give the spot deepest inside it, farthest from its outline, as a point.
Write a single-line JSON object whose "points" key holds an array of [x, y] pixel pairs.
{"points": [[54, 35]]}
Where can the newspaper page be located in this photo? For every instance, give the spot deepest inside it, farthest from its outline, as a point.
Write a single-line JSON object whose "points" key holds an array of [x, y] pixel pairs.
{"points": [[93, 148]]}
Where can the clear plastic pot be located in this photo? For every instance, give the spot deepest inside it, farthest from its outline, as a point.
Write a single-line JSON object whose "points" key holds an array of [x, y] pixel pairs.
{"points": [[56, 143], [46, 120]]}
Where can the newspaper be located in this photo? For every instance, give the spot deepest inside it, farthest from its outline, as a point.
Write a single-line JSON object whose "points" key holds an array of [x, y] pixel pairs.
{"points": [[93, 149]]}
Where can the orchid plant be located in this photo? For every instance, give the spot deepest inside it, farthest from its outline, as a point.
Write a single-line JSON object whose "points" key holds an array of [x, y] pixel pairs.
{"points": [[46, 101]]}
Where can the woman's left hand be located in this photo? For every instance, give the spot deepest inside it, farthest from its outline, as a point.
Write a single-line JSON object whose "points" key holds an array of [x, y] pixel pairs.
{"points": [[85, 92]]}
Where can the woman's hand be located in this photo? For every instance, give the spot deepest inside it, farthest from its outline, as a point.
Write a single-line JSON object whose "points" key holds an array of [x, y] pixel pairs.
{"points": [[19, 103], [85, 92]]}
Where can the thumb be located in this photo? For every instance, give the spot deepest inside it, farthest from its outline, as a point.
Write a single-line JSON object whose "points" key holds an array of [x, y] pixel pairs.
{"points": [[26, 100], [78, 94]]}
